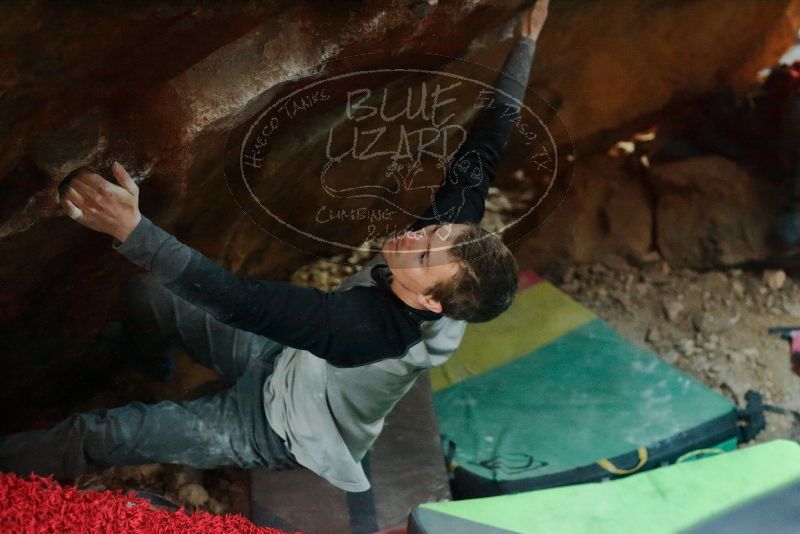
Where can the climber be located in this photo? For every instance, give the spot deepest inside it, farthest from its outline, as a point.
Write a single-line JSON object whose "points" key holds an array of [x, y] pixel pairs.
{"points": [[314, 373]]}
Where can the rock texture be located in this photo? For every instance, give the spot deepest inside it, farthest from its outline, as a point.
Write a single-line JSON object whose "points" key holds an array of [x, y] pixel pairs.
{"points": [[703, 213], [710, 212], [629, 58], [160, 88], [606, 213]]}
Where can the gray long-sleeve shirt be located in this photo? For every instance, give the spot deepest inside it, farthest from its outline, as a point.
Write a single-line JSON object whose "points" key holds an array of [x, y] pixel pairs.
{"points": [[352, 353]]}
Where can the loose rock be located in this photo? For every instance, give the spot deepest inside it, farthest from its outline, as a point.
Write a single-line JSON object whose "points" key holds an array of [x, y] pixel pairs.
{"points": [[194, 494], [792, 309], [699, 321], [653, 335], [671, 357], [672, 309], [215, 506], [738, 288], [751, 352], [774, 279]]}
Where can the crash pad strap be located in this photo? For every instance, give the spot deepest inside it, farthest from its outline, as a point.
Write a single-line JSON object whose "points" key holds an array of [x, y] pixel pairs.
{"points": [[719, 434], [614, 470]]}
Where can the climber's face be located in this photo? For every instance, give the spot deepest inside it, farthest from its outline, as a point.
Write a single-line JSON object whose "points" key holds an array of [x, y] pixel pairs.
{"points": [[421, 259]]}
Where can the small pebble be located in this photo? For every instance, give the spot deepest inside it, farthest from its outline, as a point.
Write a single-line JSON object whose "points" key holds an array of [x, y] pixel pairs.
{"points": [[774, 279], [653, 335], [194, 494], [672, 309]]}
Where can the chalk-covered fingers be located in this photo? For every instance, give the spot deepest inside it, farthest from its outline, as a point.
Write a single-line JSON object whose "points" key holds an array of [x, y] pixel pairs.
{"points": [[103, 206], [88, 189], [124, 179], [71, 200], [72, 211]]}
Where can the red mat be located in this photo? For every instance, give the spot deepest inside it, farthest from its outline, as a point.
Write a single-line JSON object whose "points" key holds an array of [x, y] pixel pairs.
{"points": [[42, 505]]}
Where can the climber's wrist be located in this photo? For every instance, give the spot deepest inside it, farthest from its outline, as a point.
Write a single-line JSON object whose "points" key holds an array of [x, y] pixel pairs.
{"points": [[127, 227]]}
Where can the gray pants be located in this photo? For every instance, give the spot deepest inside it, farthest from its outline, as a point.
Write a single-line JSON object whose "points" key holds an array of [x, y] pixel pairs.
{"points": [[224, 429]]}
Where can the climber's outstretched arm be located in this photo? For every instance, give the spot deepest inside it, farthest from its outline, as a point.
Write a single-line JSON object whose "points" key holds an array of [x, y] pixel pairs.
{"points": [[323, 323], [462, 194]]}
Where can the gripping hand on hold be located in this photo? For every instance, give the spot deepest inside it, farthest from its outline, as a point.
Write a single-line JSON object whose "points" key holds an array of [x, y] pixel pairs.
{"points": [[532, 20], [103, 206]]}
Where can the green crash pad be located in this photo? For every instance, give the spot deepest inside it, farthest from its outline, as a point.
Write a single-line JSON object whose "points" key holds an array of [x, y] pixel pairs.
{"points": [[663, 500], [548, 395]]}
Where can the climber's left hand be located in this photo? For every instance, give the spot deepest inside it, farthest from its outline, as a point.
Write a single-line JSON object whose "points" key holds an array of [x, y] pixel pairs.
{"points": [[103, 206]]}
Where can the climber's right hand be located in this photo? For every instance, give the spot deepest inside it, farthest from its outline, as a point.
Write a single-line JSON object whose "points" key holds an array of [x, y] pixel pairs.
{"points": [[103, 206], [532, 20]]}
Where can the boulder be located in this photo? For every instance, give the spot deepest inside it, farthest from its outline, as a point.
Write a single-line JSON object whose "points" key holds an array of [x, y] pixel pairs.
{"points": [[161, 87], [607, 212], [710, 212]]}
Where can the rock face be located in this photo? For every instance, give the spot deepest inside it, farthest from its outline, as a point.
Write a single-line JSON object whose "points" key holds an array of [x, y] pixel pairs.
{"points": [[711, 212], [607, 212], [629, 58], [160, 88], [704, 212]]}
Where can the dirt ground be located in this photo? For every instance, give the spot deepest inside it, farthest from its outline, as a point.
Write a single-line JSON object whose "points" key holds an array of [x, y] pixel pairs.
{"points": [[712, 325]]}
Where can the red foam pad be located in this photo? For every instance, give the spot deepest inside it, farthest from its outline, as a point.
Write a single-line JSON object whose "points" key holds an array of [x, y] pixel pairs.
{"points": [[42, 505], [528, 279]]}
